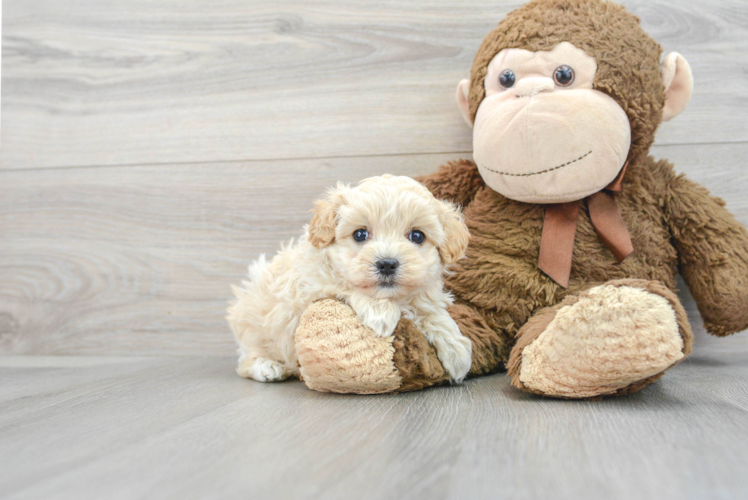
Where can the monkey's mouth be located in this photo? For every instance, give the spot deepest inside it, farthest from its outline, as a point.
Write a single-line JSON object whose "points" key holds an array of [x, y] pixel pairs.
{"points": [[528, 174]]}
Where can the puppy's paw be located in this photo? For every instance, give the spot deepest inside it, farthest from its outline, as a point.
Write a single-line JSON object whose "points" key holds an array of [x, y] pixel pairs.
{"points": [[381, 316], [455, 354], [262, 370], [383, 326]]}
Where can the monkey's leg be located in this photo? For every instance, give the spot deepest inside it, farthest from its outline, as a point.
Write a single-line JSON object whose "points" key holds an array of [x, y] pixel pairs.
{"points": [[491, 343], [612, 339], [337, 353]]}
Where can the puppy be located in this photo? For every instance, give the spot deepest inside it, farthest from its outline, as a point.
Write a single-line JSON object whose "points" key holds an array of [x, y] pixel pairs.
{"points": [[383, 248]]}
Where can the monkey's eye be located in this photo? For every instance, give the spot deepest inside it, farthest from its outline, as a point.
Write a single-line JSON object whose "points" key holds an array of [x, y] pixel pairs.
{"points": [[360, 235], [417, 237], [507, 79], [563, 76]]}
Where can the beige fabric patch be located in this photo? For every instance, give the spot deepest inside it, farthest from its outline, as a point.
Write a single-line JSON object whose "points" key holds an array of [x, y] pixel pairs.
{"points": [[337, 353], [612, 337], [678, 81], [541, 142]]}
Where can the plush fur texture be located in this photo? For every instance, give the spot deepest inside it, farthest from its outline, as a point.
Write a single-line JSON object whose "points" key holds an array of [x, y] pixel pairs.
{"points": [[628, 60], [613, 325], [539, 142], [328, 262], [415, 360], [674, 225], [628, 334], [348, 359], [505, 304]]}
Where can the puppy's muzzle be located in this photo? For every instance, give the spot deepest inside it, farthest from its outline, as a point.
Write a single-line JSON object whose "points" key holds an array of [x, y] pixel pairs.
{"points": [[387, 267]]}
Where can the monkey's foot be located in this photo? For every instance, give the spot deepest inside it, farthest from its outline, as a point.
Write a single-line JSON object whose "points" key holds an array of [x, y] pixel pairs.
{"points": [[337, 353], [614, 338]]}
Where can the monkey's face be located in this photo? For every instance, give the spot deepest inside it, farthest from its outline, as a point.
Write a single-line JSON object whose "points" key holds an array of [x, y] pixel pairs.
{"points": [[542, 134]]}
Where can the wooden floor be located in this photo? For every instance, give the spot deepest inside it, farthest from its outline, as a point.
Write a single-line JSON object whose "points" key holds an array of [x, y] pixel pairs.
{"points": [[150, 150], [187, 427]]}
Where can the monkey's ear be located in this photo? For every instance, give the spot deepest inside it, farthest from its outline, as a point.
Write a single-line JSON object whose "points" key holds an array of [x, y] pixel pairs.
{"points": [[323, 223], [463, 91], [455, 231], [678, 81]]}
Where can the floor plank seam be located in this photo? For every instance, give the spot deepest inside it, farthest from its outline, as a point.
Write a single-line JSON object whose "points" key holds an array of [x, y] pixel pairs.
{"points": [[305, 158]]}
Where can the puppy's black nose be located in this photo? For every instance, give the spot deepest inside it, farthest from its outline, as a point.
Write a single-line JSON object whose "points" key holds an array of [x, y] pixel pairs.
{"points": [[387, 267]]}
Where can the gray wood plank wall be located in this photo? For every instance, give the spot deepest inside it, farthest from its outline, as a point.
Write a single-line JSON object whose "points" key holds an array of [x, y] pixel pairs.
{"points": [[150, 150]]}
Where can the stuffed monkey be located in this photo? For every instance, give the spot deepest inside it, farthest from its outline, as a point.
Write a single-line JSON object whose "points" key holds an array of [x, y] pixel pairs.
{"points": [[577, 234]]}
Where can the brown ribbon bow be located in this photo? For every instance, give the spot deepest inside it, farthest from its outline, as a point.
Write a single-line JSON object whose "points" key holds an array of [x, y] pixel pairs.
{"points": [[560, 227]]}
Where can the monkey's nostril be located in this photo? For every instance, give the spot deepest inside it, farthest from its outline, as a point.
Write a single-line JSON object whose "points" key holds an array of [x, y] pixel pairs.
{"points": [[387, 267]]}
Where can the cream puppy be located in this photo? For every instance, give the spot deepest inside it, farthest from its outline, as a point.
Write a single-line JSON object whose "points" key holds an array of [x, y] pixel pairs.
{"points": [[383, 248]]}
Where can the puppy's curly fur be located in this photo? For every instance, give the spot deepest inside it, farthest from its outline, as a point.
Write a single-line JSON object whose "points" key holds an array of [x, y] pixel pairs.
{"points": [[329, 262]]}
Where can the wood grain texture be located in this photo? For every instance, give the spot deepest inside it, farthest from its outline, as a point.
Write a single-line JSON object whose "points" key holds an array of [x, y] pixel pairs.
{"points": [[105, 82], [150, 150], [138, 260], [190, 428]]}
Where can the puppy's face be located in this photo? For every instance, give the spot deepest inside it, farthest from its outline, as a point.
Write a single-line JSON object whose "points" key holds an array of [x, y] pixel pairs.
{"points": [[388, 237]]}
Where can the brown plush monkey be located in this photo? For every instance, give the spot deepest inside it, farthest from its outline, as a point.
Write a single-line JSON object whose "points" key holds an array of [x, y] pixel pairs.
{"points": [[577, 234]]}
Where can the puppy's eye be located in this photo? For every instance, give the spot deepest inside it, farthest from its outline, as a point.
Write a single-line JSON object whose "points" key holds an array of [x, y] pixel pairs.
{"points": [[360, 235], [417, 237]]}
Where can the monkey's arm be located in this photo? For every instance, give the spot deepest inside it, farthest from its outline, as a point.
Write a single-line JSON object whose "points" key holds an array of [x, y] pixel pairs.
{"points": [[457, 181], [712, 255]]}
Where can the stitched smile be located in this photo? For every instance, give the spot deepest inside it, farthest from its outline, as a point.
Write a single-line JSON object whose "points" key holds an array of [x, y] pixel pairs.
{"points": [[542, 171]]}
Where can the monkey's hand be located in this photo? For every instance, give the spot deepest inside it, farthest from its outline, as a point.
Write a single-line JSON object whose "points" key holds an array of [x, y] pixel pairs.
{"points": [[712, 255], [457, 181]]}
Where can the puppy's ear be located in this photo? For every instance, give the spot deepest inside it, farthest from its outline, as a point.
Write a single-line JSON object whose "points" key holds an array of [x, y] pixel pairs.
{"points": [[455, 231], [324, 220]]}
